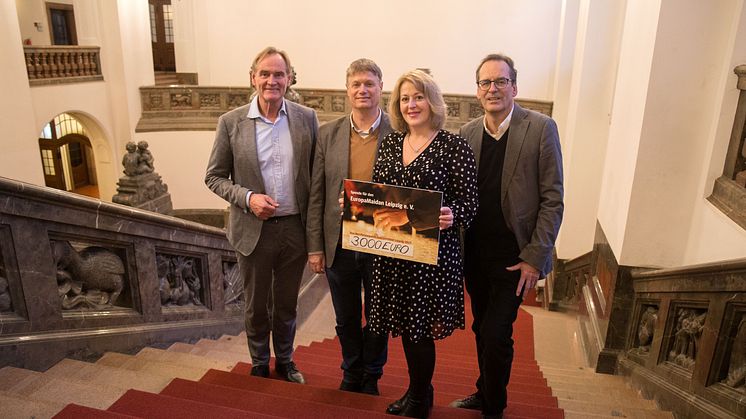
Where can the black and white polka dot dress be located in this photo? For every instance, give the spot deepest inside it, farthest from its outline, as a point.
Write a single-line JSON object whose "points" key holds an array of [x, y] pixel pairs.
{"points": [[417, 299]]}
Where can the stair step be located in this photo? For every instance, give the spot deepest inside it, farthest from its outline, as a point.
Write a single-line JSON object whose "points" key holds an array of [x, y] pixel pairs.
{"points": [[156, 406], [74, 411], [15, 406], [194, 361], [607, 399], [11, 377], [445, 392], [96, 374], [54, 390], [616, 410], [388, 394], [284, 404], [162, 369]]}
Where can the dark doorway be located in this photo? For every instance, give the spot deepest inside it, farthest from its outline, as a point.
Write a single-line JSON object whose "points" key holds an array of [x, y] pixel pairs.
{"points": [[62, 24], [162, 35], [67, 156]]}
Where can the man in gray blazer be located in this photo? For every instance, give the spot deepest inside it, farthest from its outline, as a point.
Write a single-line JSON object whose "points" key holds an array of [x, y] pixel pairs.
{"points": [[509, 244], [347, 148], [260, 164]]}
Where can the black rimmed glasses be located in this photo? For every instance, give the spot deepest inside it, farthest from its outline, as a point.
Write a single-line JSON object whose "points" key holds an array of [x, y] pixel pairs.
{"points": [[500, 83]]}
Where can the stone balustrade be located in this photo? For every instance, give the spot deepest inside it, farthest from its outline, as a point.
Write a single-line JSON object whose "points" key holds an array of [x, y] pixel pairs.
{"points": [[62, 64], [686, 340], [79, 277], [197, 108]]}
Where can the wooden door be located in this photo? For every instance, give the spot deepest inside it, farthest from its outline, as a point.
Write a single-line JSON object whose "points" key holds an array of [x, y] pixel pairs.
{"points": [[51, 161], [79, 163], [61, 18], [162, 35]]}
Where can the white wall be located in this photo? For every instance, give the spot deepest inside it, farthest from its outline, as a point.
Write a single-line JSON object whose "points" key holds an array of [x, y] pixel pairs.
{"points": [[712, 235], [20, 157], [323, 37], [628, 112], [181, 160], [684, 81], [588, 112]]}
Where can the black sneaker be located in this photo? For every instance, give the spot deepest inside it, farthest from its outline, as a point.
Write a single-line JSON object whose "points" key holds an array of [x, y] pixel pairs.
{"points": [[472, 401], [260, 371], [289, 372]]}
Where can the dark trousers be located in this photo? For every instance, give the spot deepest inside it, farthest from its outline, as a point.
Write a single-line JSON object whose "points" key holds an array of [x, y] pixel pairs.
{"points": [[362, 350], [274, 269], [495, 308]]}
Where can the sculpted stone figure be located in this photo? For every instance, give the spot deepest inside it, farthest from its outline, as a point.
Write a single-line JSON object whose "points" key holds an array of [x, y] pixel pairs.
{"points": [[130, 160], [145, 161], [91, 278], [179, 282], [688, 330], [647, 327]]}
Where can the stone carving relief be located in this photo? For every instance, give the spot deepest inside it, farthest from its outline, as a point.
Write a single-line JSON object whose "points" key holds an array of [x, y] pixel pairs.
{"points": [[646, 328], [179, 281], [315, 102], [209, 100], [475, 110], [338, 104], [89, 278], [736, 377], [181, 100], [232, 283], [141, 186], [686, 334], [156, 101], [454, 109], [237, 99], [574, 285]]}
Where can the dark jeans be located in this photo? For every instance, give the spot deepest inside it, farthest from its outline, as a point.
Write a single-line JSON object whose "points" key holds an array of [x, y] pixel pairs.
{"points": [[495, 308], [362, 350]]}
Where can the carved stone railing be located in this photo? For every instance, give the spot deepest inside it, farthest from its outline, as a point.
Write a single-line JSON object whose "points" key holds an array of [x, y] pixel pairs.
{"points": [[686, 344], [197, 108], [62, 64], [82, 276], [729, 191]]}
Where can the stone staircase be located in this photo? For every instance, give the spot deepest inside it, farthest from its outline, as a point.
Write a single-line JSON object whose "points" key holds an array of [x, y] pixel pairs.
{"points": [[185, 368]]}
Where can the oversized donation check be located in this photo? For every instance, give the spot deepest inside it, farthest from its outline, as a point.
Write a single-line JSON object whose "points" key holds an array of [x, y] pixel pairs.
{"points": [[392, 221]]}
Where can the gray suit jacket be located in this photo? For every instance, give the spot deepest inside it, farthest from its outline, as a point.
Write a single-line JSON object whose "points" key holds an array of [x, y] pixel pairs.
{"points": [[330, 167], [233, 169], [531, 184]]}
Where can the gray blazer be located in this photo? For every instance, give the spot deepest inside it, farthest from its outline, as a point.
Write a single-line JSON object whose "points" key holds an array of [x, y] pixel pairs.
{"points": [[233, 169], [330, 167], [531, 184]]}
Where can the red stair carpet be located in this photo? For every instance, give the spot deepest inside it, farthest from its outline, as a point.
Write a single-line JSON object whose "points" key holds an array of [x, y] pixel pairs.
{"points": [[236, 394]]}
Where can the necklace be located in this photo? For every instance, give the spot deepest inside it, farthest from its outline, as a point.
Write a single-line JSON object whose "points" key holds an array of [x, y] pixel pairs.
{"points": [[417, 150]]}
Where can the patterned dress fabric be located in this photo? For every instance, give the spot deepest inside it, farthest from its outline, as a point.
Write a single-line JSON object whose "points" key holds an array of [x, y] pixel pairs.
{"points": [[419, 300]]}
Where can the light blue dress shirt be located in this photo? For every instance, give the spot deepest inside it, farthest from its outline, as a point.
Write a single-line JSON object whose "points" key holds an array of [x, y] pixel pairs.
{"points": [[275, 151]]}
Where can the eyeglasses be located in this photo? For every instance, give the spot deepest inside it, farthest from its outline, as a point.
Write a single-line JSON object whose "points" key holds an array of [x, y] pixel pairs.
{"points": [[500, 83]]}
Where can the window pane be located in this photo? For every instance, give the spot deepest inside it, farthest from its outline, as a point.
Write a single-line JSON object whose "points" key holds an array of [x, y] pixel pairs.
{"points": [[168, 23], [153, 35]]}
